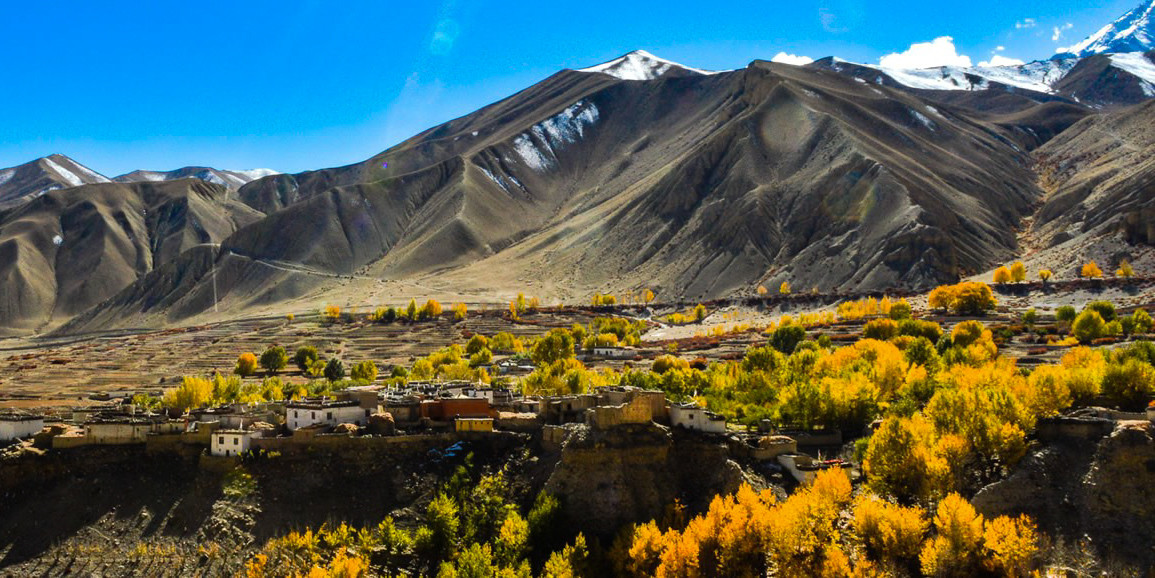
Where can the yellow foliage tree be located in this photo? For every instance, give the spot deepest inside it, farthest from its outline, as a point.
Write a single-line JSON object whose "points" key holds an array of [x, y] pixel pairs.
{"points": [[784, 288], [889, 531], [246, 364], [957, 547], [1018, 272], [1045, 275], [193, 392], [331, 313], [1091, 270], [762, 290], [459, 311], [1125, 270], [648, 296], [1002, 275]]}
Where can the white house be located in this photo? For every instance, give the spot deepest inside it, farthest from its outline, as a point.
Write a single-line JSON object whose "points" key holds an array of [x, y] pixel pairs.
{"points": [[16, 426], [305, 413], [230, 442], [615, 352], [693, 417]]}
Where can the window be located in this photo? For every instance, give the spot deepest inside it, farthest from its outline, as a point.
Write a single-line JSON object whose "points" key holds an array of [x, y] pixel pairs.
{"points": [[329, 416], [221, 440], [236, 441], [314, 414], [296, 413]]}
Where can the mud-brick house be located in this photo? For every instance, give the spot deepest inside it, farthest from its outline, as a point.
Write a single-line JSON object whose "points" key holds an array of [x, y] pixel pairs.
{"points": [[299, 414], [447, 408], [118, 430], [473, 424], [696, 418], [230, 442], [18, 426]]}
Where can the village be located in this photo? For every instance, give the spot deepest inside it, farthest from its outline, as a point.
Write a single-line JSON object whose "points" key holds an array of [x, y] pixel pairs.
{"points": [[374, 414]]}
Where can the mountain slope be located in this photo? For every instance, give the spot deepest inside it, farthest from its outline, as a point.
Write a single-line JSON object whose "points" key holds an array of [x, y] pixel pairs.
{"points": [[1101, 178], [698, 185], [65, 252], [1131, 32], [231, 180], [54, 172]]}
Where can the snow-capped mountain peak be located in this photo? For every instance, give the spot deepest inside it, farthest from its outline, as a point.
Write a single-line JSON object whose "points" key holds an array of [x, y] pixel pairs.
{"points": [[639, 65], [1132, 32]]}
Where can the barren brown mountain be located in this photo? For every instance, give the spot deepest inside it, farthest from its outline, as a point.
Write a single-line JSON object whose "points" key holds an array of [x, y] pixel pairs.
{"points": [[636, 173]]}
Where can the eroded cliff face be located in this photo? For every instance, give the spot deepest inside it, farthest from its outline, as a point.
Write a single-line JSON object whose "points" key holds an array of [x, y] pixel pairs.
{"points": [[632, 474], [1101, 492]]}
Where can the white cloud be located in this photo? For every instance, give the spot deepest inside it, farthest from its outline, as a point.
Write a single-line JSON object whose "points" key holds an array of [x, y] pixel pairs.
{"points": [[1026, 23], [794, 59], [1000, 48], [939, 52], [1059, 30], [1000, 60]]}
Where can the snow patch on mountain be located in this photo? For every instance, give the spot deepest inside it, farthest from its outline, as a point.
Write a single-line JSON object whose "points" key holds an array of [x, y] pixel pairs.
{"points": [[1132, 32], [254, 174], [64, 173], [1039, 76], [639, 65], [538, 146], [1137, 63], [6, 175], [91, 174]]}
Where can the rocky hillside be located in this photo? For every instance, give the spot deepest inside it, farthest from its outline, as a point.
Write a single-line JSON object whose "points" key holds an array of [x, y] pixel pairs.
{"points": [[68, 251]]}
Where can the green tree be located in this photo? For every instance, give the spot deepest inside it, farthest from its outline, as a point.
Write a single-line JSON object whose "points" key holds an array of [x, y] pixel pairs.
{"points": [[364, 371], [411, 310], [476, 343], [334, 370], [787, 337], [274, 359], [554, 346], [305, 357]]}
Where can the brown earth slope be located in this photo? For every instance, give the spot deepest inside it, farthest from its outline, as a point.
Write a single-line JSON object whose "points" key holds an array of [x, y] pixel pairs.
{"points": [[67, 251], [698, 185]]}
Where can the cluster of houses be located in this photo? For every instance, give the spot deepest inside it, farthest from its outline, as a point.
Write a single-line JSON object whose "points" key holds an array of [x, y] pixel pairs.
{"points": [[457, 406]]}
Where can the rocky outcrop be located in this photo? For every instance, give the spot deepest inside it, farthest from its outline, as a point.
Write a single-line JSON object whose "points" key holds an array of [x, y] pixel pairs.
{"points": [[631, 474], [1102, 492]]}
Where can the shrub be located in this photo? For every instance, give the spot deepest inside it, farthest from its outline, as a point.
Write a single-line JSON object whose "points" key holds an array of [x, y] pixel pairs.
{"points": [[784, 288], [331, 313], [787, 337], [1045, 275], [1125, 270], [460, 311], [1065, 314], [900, 311], [1090, 270], [664, 363], [919, 328], [1129, 385], [1142, 321], [246, 365], [881, 329], [1030, 317], [1105, 309], [1088, 326]]}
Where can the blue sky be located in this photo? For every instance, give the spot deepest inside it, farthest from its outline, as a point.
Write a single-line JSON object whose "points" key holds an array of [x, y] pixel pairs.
{"points": [[291, 86]]}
